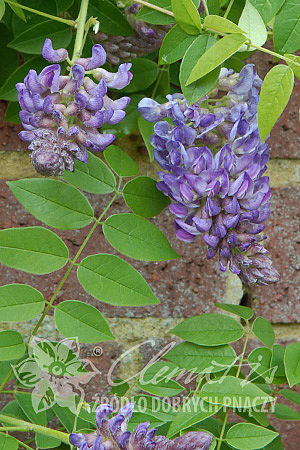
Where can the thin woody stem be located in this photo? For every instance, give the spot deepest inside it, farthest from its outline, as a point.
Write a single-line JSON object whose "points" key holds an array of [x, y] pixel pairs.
{"points": [[80, 29], [157, 8], [72, 23]]}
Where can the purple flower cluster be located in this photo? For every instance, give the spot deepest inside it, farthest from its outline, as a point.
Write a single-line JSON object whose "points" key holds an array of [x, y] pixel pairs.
{"points": [[214, 161], [112, 434], [61, 115]]}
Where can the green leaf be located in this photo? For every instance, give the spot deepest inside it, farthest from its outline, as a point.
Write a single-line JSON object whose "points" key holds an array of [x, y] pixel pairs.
{"points": [[248, 436], [46, 442], [11, 345], [111, 19], [241, 311], [174, 46], [8, 90], [154, 406], [146, 130], [291, 363], [143, 197], [154, 379], [194, 410], [32, 249], [263, 331], [55, 203], [112, 280], [19, 302], [32, 40], [156, 17], [144, 73], [221, 25], [278, 361], [7, 54], [120, 162], [119, 387], [234, 392], [253, 25], [267, 9], [294, 67], [199, 359], [85, 321], [8, 442], [63, 5], [12, 113], [94, 176], [24, 400], [137, 238], [12, 409], [284, 412], [216, 55], [290, 395], [209, 329], [201, 87], [260, 362], [2, 8], [287, 27], [187, 16], [18, 11]]}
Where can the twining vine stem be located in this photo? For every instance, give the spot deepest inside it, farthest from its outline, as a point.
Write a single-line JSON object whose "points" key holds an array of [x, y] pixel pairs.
{"points": [[70, 22]]}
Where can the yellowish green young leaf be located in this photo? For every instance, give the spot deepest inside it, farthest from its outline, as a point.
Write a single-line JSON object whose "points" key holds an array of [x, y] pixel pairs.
{"points": [[221, 25], [274, 96], [253, 25], [2, 8], [216, 55], [18, 11], [187, 16], [295, 67], [248, 436]]}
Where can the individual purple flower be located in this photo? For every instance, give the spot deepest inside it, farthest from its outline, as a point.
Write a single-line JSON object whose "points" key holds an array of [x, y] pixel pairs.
{"points": [[213, 162], [112, 434], [62, 115], [117, 80], [53, 55]]}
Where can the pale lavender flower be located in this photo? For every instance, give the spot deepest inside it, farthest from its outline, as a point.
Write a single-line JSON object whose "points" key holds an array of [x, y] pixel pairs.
{"points": [[213, 163]]}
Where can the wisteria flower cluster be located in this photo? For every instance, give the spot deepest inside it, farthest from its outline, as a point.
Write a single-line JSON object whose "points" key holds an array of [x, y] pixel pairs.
{"points": [[61, 114], [214, 161], [112, 434]]}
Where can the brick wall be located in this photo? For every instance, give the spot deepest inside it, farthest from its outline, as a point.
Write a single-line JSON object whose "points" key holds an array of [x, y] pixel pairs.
{"points": [[188, 286]]}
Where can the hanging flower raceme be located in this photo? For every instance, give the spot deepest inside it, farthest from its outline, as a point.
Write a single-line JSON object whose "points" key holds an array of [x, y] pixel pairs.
{"points": [[112, 434], [213, 163], [61, 115]]}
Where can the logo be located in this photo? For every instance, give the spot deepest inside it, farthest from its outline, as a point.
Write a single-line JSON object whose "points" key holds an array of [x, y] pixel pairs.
{"points": [[55, 373]]}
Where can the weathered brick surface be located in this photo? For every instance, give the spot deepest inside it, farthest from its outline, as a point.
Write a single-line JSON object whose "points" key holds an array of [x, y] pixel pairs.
{"points": [[185, 287], [280, 302]]}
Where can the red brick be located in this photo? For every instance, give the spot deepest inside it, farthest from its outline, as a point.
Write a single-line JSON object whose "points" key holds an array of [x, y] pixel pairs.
{"points": [[280, 301]]}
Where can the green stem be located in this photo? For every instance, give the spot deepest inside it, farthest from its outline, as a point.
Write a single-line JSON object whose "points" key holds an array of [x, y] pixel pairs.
{"points": [[205, 7], [80, 29], [64, 437], [72, 23], [228, 8], [157, 8], [277, 55], [4, 429], [223, 430], [72, 264]]}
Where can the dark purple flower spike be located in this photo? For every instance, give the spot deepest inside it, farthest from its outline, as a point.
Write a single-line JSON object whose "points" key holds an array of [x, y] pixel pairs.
{"points": [[62, 115], [112, 434]]}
